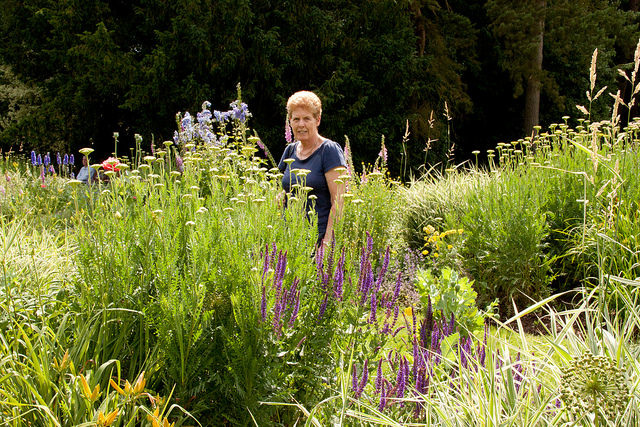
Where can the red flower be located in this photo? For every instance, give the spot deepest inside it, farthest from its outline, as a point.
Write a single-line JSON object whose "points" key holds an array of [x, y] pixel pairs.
{"points": [[111, 164]]}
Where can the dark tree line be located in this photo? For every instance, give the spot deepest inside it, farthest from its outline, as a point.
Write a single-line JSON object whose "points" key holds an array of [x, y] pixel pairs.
{"points": [[463, 74]]}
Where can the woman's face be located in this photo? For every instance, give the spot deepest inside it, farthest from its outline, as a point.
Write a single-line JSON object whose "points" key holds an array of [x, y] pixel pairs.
{"points": [[304, 125]]}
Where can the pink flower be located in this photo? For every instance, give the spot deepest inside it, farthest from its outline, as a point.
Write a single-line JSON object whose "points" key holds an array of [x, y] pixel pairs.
{"points": [[287, 132]]}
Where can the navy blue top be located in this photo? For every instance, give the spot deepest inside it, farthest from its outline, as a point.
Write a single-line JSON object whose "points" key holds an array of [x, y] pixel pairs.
{"points": [[328, 156]]}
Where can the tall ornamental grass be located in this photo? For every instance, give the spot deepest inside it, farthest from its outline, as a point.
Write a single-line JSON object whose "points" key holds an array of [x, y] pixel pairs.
{"points": [[543, 214]]}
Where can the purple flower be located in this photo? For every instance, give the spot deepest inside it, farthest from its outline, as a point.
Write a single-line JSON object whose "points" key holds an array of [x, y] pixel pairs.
{"points": [[186, 122], [323, 306], [383, 395], [65, 160], [354, 379], [396, 291], [401, 379], [267, 261], [72, 160], [51, 169], [379, 377], [383, 153], [58, 159], [34, 161], [296, 308], [369, 244], [517, 372], [365, 378], [239, 111], [263, 303], [204, 117], [465, 351], [47, 159], [338, 279], [179, 163], [383, 270], [372, 317], [287, 132], [39, 161]]}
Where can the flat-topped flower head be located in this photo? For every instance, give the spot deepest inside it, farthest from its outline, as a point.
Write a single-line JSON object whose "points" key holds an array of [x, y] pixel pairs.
{"points": [[86, 151]]}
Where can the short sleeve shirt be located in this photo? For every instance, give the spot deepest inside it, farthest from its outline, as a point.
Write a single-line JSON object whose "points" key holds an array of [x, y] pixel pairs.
{"points": [[327, 157]]}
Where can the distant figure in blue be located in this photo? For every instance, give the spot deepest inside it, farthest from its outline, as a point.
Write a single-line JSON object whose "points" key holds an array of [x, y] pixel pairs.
{"points": [[86, 171], [323, 157]]}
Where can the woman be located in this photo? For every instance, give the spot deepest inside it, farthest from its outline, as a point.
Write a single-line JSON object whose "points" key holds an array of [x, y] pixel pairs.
{"points": [[323, 157]]}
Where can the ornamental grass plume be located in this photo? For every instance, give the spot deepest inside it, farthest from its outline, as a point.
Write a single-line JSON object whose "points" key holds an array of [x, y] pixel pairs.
{"points": [[593, 385]]}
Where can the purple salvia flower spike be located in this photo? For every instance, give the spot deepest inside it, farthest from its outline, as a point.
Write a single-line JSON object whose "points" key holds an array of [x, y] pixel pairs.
{"points": [[369, 244], [365, 377], [379, 377], [323, 306], [265, 265], [320, 263], [396, 290], [354, 379], [296, 308], [396, 312], [372, 317], [383, 270], [401, 380], [339, 277], [383, 398], [263, 303]]}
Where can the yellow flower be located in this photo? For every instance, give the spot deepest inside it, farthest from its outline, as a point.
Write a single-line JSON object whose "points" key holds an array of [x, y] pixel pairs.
{"points": [[139, 384], [408, 311], [107, 420], [116, 386], [91, 395]]}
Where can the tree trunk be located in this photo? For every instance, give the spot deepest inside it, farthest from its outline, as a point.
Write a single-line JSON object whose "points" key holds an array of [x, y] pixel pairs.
{"points": [[534, 84]]}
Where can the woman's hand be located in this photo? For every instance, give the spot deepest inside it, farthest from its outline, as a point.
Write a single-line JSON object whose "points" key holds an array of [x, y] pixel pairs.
{"points": [[336, 189]]}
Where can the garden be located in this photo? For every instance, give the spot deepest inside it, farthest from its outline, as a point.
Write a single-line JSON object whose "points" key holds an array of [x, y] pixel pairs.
{"points": [[176, 292]]}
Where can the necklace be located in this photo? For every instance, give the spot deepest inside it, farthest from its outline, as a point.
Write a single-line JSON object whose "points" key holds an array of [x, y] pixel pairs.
{"points": [[308, 152]]}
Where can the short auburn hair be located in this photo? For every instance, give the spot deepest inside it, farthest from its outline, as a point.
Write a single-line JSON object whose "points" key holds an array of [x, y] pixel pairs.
{"points": [[305, 99]]}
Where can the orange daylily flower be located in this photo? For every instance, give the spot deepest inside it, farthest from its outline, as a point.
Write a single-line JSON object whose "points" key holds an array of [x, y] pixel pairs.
{"points": [[106, 421], [91, 395]]}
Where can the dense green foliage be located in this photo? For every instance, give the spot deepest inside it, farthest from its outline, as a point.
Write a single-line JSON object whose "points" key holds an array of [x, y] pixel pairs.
{"points": [[72, 73], [178, 275]]}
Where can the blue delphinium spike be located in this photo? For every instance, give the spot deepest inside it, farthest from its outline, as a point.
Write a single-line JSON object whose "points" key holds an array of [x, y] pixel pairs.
{"points": [[34, 160]]}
